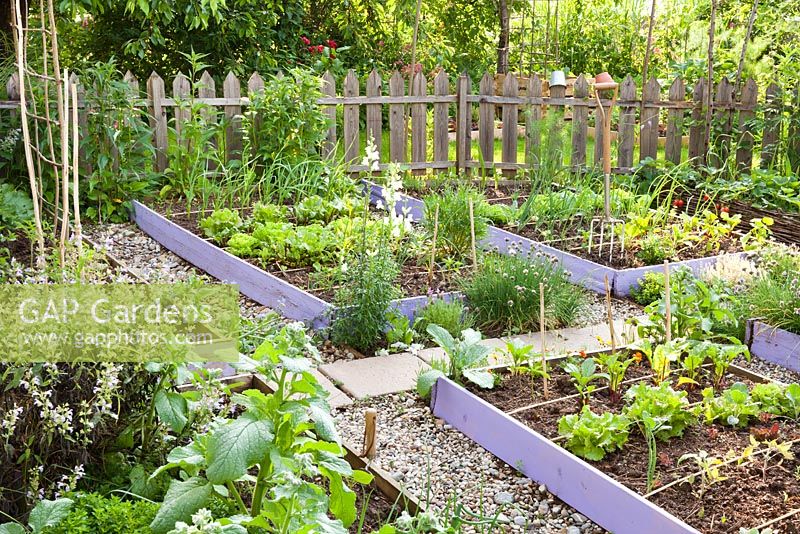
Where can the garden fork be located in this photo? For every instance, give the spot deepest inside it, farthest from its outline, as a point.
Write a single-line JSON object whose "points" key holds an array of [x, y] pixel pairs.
{"points": [[606, 224]]}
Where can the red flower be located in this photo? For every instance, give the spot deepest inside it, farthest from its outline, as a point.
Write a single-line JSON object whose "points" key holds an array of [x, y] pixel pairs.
{"points": [[312, 49], [306, 40], [332, 43], [679, 203], [320, 49]]}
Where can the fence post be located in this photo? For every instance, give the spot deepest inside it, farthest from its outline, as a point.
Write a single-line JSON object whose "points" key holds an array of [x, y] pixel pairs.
{"points": [[722, 117], [351, 124], [463, 124], [329, 90], [158, 119], [181, 89], [441, 143], [208, 89], [510, 121], [12, 89], [648, 142], [697, 143], [748, 100], [673, 147], [533, 123], [486, 121], [419, 118], [232, 88], [397, 125], [627, 122], [793, 148], [580, 124], [374, 115]]}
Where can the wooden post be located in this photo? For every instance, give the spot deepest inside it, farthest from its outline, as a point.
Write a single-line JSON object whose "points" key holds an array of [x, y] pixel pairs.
{"points": [[83, 117], [486, 121], [208, 89], [580, 124], [370, 433], [648, 143], [718, 155], [419, 120], [772, 125], [627, 122], [463, 124], [533, 123], [351, 124], [674, 143], [76, 205], [232, 88], [397, 126], [697, 130], [510, 121], [181, 92], [374, 115], [433, 245], [441, 142], [542, 332], [158, 119], [610, 315], [748, 99], [472, 234], [667, 303], [329, 90]]}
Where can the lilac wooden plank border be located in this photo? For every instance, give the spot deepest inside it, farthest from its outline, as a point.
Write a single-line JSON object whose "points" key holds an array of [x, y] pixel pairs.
{"points": [[593, 493], [261, 286], [582, 271], [773, 344]]}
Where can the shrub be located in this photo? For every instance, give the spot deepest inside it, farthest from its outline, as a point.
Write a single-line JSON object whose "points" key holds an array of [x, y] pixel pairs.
{"points": [[454, 234], [591, 436], [92, 513], [453, 316], [649, 289], [366, 290], [504, 294]]}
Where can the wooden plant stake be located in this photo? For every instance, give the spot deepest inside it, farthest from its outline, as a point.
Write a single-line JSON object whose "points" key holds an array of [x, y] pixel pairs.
{"points": [[370, 431], [433, 247], [65, 200], [610, 314], [472, 234], [76, 207], [667, 303], [542, 335]]}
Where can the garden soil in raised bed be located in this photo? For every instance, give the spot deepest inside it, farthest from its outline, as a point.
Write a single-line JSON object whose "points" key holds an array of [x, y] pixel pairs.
{"points": [[413, 279], [744, 499]]}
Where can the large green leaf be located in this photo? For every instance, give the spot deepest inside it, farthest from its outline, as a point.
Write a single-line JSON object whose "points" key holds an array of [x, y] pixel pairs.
{"points": [[481, 378], [426, 380], [442, 338], [343, 499], [183, 499], [49, 513], [172, 409], [236, 446], [11, 528], [324, 426]]}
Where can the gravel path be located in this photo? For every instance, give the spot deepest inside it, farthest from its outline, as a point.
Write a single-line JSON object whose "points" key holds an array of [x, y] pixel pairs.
{"points": [[595, 312], [438, 463], [768, 369]]}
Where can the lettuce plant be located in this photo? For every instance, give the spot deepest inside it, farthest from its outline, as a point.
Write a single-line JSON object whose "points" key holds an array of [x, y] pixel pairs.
{"points": [[668, 408], [221, 225], [591, 436]]}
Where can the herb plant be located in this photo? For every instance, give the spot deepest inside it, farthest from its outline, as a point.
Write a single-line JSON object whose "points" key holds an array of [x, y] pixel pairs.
{"points": [[464, 358], [452, 315], [454, 233], [592, 436]]}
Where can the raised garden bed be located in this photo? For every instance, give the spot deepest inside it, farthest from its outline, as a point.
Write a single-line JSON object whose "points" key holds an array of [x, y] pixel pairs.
{"points": [[611, 491], [773, 344], [268, 289], [582, 270]]}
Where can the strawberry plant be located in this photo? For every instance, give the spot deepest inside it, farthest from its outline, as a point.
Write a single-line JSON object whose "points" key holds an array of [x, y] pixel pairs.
{"points": [[592, 436]]}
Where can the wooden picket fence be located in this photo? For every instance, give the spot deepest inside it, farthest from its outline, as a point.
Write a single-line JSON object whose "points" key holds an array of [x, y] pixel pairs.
{"points": [[520, 103]]}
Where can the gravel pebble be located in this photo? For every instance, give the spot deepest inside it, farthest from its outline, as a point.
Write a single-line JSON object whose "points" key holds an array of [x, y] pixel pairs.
{"points": [[440, 464], [768, 369]]}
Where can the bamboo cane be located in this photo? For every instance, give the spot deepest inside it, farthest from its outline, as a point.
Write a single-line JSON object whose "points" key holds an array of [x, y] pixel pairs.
{"points": [[542, 338], [75, 178], [609, 313], [472, 234], [433, 246], [667, 303]]}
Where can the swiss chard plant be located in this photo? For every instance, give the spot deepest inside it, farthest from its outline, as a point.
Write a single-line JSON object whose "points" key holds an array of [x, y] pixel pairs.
{"points": [[584, 374], [279, 463], [614, 365], [464, 358], [720, 355], [592, 436]]}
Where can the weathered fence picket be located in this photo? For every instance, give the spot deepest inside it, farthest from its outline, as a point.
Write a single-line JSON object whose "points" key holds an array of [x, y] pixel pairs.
{"points": [[525, 106]]}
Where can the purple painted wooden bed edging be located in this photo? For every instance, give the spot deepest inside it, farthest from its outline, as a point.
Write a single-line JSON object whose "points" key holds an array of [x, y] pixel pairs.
{"points": [[261, 286], [773, 344], [582, 271], [587, 489]]}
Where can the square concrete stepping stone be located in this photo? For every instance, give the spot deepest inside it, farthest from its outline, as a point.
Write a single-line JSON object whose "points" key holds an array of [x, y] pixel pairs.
{"points": [[336, 397], [433, 353], [380, 375]]}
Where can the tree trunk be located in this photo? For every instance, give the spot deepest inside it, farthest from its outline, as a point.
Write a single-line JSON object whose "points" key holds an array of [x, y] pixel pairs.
{"points": [[502, 44]]}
